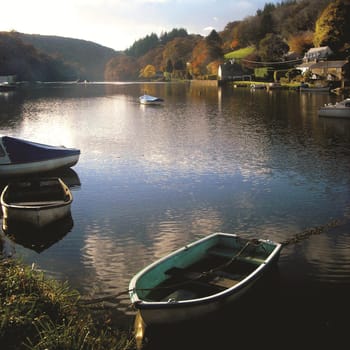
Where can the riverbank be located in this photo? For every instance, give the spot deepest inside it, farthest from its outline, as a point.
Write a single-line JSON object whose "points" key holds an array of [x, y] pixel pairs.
{"points": [[40, 313]]}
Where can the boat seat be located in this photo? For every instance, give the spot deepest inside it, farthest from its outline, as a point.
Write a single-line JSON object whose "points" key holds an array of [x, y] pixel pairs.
{"points": [[230, 254], [184, 273], [220, 279], [37, 204]]}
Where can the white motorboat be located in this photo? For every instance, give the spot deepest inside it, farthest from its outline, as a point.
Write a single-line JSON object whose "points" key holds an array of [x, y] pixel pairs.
{"points": [[150, 100], [338, 110]]}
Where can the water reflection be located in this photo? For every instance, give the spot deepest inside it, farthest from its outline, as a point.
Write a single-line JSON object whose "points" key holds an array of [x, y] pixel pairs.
{"points": [[38, 240], [154, 179]]}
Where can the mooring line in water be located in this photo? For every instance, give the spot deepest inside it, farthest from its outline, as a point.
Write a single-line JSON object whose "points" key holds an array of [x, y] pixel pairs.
{"points": [[111, 298], [311, 232]]}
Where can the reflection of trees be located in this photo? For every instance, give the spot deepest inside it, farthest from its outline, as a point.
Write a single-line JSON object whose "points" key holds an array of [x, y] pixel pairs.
{"points": [[10, 109]]}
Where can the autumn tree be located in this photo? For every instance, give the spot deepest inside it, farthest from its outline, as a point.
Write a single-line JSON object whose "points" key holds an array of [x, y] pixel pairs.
{"points": [[177, 53], [121, 68], [301, 42], [333, 27], [148, 72], [204, 53]]}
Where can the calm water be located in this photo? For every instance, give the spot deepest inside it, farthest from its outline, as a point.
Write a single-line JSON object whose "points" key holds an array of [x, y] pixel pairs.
{"points": [[151, 179]]}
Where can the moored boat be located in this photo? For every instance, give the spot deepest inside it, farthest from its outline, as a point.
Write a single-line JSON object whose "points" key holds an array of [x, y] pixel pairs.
{"points": [[36, 202], [338, 110], [150, 100], [201, 277], [23, 157], [307, 88]]}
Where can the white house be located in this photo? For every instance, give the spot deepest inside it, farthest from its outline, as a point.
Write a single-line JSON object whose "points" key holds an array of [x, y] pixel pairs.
{"points": [[317, 54]]}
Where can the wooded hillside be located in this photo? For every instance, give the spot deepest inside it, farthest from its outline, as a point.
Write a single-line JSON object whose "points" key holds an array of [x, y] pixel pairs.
{"points": [[51, 58], [272, 32], [275, 30]]}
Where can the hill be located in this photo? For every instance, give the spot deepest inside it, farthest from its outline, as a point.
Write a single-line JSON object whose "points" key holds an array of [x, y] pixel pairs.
{"points": [[88, 58]]}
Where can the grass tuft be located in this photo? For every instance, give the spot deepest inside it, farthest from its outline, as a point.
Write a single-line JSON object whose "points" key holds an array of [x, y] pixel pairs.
{"points": [[39, 313]]}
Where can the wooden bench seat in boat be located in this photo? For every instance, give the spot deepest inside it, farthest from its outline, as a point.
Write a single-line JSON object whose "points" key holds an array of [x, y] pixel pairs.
{"points": [[217, 278], [37, 204], [230, 254]]}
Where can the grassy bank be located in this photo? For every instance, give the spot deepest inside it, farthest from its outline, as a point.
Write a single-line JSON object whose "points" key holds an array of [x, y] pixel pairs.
{"points": [[39, 313]]}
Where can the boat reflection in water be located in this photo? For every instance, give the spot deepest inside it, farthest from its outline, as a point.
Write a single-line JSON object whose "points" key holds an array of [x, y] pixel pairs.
{"points": [[38, 239]]}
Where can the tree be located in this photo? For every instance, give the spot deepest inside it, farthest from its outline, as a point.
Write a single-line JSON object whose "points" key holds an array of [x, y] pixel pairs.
{"points": [[121, 68], [301, 42], [272, 48], [169, 66], [148, 72], [332, 28], [141, 46]]}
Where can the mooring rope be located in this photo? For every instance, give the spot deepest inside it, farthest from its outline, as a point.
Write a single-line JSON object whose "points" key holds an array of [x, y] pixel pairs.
{"points": [[311, 232]]}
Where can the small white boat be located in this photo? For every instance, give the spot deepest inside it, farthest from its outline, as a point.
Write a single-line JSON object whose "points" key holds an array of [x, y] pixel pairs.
{"points": [[36, 202], [150, 100], [200, 278], [338, 110], [307, 88], [22, 157], [6, 86]]}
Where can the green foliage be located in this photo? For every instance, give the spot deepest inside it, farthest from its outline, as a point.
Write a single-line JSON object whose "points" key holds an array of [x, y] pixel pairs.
{"points": [[261, 72], [272, 48], [175, 33], [29, 64], [37, 313], [241, 53], [141, 46]]}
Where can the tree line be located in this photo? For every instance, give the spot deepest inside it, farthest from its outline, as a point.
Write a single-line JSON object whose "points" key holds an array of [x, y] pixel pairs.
{"points": [[291, 25], [275, 30], [29, 64]]}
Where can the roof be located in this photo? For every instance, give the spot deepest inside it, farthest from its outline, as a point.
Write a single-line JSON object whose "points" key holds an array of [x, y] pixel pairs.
{"points": [[318, 49], [329, 64]]}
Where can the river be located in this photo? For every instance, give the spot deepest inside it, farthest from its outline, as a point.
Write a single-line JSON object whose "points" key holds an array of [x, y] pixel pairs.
{"points": [[151, 179]]}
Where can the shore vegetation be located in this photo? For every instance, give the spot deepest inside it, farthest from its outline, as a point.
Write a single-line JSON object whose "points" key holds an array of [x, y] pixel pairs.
{"points": [[40, 313]]}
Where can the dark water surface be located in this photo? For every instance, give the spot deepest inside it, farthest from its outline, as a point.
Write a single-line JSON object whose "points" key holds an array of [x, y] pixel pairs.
{"points": [[151, 179]]}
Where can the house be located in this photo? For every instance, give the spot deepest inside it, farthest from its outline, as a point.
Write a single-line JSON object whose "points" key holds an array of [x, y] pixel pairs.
{"points": [[317, 54], [230, 71], [9, 79], [330, 70]]}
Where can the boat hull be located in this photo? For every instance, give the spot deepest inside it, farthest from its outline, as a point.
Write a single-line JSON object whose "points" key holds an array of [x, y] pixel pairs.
{"points": [[179, 307], [334, 112], [18, 169]]}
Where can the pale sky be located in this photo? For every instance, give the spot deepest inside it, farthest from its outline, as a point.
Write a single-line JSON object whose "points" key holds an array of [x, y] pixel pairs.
{"points": [[119, 23]]}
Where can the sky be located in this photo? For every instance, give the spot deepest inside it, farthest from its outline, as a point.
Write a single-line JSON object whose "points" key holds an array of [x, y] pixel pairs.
{"points": [[117, 24]]}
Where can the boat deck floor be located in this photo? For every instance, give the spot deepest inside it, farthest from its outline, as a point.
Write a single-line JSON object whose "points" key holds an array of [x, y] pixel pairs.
{"points": [[209, 276]]}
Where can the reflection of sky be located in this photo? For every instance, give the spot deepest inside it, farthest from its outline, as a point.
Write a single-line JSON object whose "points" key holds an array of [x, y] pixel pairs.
{"points": [[155, 179]]}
